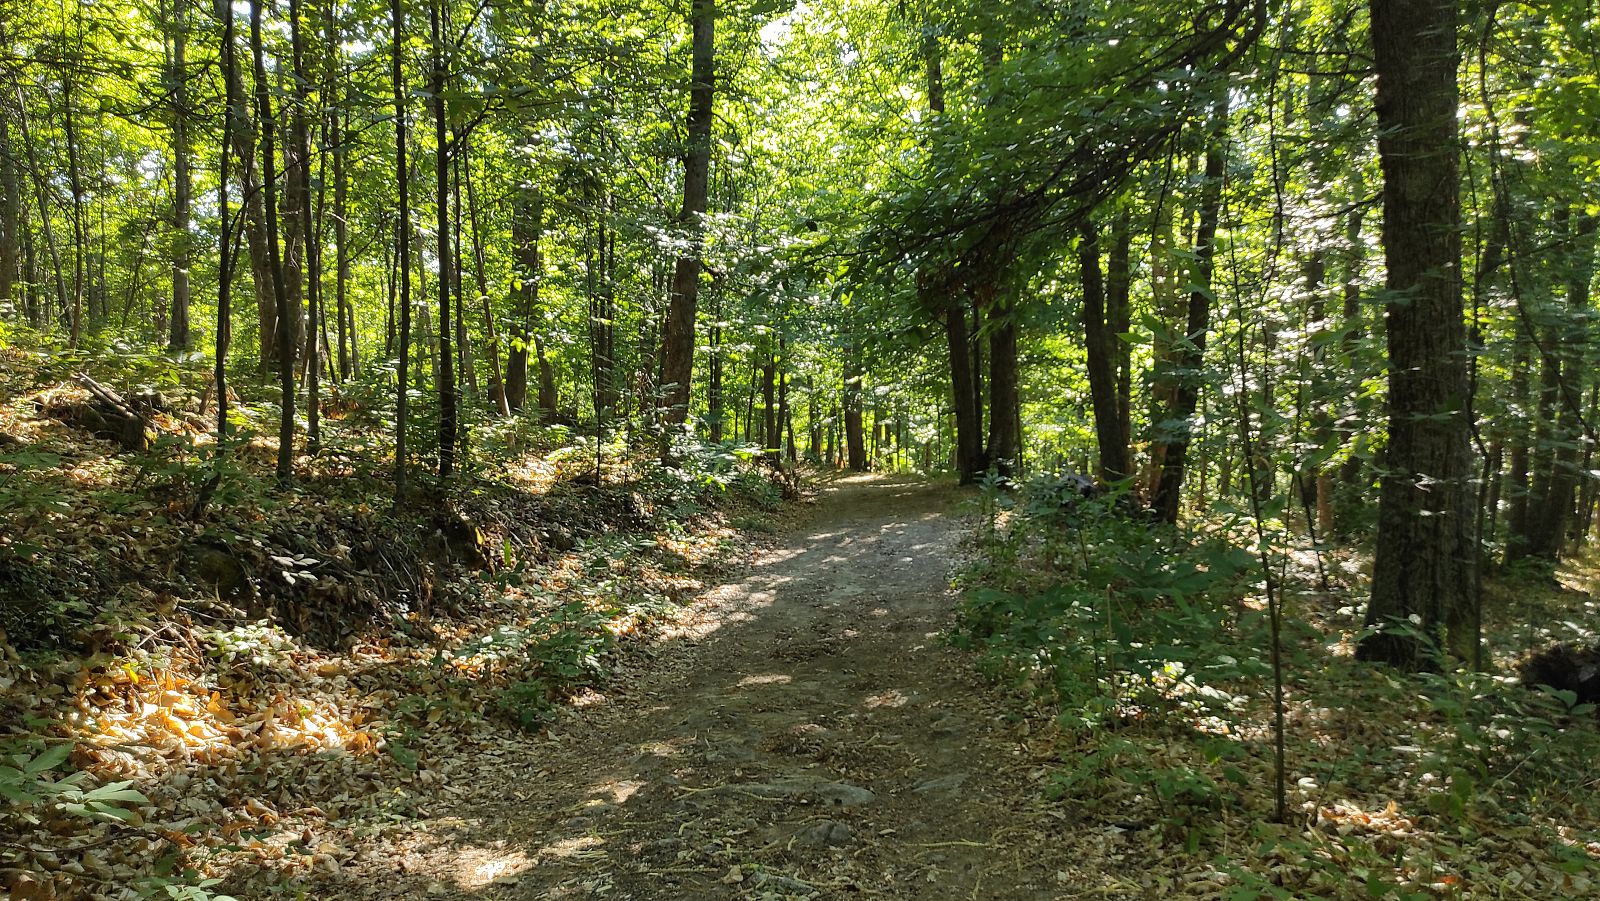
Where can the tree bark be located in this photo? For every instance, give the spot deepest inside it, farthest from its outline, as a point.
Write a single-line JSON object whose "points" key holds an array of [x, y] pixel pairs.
{"points": [[269, 181], [854, 439], [1101, 343], [1190, 356], [447, 379], [497, 388], [10, 218], [1424, 562], [1004, 451], [397, 87], [526, 227], [677, 368], [178, 337], [305, 212], [1547, 531]]}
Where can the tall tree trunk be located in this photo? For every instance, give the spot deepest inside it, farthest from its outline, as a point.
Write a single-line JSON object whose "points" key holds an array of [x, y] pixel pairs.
{"points": [[1548, 532], [341, 196], [305, 211], [854, 439], [497, 388], [178, 338], [269, 192], [402, 170], [10, 219], [715, 412], [938, 294], [1004, 451], [227, 250], [1191, 351], [80, 236], [41, 202], [447, 379], [1101, 344], [1119, 284], [526, 227], [1424, 561], [769, 419], [677, 367], [468, 366]]}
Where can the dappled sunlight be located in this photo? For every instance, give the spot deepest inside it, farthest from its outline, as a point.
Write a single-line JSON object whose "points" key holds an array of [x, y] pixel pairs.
{"points": [[891, 699], [765, 679], [577, 848], [124, 718], [479, 867]]}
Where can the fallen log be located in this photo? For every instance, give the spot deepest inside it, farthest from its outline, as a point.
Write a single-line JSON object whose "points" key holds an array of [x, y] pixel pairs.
{"points": [[105, 414]]}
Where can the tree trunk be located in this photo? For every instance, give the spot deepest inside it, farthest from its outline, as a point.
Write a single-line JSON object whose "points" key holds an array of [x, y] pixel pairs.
{"points": [[178, 338], [769, 407], [497, 388], [227, 248], [280, 296], [1190, 356], [306, 213], [10, 219], [341, 203], [968, 413], [1548, 529], [402, 169], [854, 439], [715, 412], [678, 341], [41, 202], [447, 379], [1004, 452], [526, 227], [1101, 345], [1424, 561], [1119, 283]]}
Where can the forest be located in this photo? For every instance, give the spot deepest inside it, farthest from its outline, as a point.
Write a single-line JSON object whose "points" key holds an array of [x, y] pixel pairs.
{"points": [[770, 449]]}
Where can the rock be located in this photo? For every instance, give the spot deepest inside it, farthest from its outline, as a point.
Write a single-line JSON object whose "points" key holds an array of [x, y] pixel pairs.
{"points": [[216, 566], [826, 834], [944, 786], [802, 791], [787, 885]]}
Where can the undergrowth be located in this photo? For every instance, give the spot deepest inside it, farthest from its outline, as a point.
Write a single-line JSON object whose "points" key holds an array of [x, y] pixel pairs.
{"points": [[1145, 651], [181, 684]]}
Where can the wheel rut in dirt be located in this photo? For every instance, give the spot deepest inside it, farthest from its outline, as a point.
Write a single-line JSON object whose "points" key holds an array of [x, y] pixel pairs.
{"points": [[806, 733]]}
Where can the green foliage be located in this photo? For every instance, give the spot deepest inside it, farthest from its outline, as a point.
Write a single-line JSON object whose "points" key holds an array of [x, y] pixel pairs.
{"points": [[545, 661], [28, 780], [1131, 615]]}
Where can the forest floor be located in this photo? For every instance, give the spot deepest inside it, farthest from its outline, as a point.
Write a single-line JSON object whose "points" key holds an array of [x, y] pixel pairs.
{"points": [[804, 731]]}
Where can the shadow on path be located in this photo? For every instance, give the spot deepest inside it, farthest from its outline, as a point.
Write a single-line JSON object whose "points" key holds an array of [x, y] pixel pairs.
{"points": [[804, 734]]}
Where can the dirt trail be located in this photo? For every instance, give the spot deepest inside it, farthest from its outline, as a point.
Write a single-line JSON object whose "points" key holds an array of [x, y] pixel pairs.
{"points": [[807, 734]]}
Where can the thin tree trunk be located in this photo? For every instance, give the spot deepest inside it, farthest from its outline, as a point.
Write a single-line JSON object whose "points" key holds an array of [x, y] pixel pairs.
{"points": [[341, 194], [232, 100], [1101, 347], [1004, 452], [1191, 352], [41, 202], [10, 221], [178, 338], [305, 211], [447, 378], [854, 440], [270, 197], [526, 226], [497, 388], [1548, 531], [403, 231]]}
